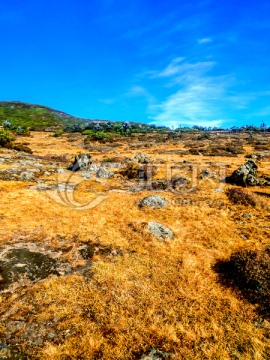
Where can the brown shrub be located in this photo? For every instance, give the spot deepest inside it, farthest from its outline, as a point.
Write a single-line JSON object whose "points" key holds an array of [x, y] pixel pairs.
{"points": [[239, 197], [21, 147], [249, 271], [135, 171]]}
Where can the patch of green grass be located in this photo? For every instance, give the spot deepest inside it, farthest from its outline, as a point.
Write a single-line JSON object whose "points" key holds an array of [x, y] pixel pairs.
{"points": [[36, 117]]}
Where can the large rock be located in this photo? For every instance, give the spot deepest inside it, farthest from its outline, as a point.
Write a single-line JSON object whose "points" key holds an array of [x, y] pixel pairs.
{"points": [[160, 231], [81, 162], [153, 201], [245, 175]]}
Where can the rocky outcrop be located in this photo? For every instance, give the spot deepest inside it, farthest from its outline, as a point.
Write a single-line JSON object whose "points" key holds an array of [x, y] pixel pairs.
{"points": [[104, 173], [81, 162], [19, 174], [245, 175], [142, 159]]}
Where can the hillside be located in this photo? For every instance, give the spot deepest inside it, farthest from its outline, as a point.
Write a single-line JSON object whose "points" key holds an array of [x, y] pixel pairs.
{"points": [[35, 116], [135, 256]]}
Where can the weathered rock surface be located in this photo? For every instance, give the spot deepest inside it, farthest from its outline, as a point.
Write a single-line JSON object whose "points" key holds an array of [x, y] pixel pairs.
{"points": [[81, 162], [104, 173], [142, 159], [153, 201], [160, 231], [28, 262], [245, 175], [156, 355], [19, 174]]}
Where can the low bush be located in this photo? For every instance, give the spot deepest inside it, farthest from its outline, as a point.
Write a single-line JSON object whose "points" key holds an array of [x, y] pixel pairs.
{"points": [[135, 171], [249, 271], [21, 147], [239, 197], [130, 171], [6, 138], [58, 133], [100, 135]]}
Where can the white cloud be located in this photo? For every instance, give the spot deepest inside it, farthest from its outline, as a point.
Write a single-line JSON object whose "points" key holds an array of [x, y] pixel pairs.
{"points": [[172, 69], [204, 40], [190, 106], [140, 91], [200, 98]]}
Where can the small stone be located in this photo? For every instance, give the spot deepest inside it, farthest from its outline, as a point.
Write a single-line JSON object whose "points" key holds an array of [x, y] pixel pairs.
{"points": [[247, 216], [205, 173], [218, 190], [51, 335], [156, 355], [61, 171]]}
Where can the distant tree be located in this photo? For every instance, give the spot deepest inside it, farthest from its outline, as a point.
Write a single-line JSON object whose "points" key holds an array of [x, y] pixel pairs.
{"points": [[263, 126]]}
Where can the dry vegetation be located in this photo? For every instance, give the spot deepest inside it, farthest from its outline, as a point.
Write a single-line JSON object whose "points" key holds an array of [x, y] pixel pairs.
{"points": [[140, 293]]}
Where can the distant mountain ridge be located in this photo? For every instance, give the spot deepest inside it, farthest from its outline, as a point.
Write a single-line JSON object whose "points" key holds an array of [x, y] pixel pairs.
{"points": [[39, 116], [35, 116]]}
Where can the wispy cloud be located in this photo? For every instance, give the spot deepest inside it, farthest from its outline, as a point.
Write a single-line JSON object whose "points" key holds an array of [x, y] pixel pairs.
{"points": [[140, 91], [204, 40], [200, 96]]}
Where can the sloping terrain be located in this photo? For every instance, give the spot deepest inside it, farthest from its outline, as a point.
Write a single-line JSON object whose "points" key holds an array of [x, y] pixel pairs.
{"points": [[35, 116], [115, 286]]}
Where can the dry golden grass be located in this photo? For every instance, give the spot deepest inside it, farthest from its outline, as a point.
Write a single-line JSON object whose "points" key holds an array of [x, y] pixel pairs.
{"points": [[161, 295]]}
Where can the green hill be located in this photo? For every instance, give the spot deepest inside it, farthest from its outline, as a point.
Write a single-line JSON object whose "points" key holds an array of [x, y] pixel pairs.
{"points": [[34, 116]]}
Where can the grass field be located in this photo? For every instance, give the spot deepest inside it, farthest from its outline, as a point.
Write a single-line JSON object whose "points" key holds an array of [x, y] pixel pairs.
{"points": [[139, 293]]}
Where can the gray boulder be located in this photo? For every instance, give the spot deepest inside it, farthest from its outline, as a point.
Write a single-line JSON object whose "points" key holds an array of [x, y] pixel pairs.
{"points": [[81, 162], [245, 175], [104, 173], [160, 231], [153, 201]]}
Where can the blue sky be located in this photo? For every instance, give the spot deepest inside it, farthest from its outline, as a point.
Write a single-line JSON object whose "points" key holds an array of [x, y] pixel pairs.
{"points": [[164, 62]]}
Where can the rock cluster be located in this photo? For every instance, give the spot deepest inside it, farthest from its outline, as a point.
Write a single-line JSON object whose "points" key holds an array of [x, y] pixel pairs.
{"points": [[142, 159]]}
